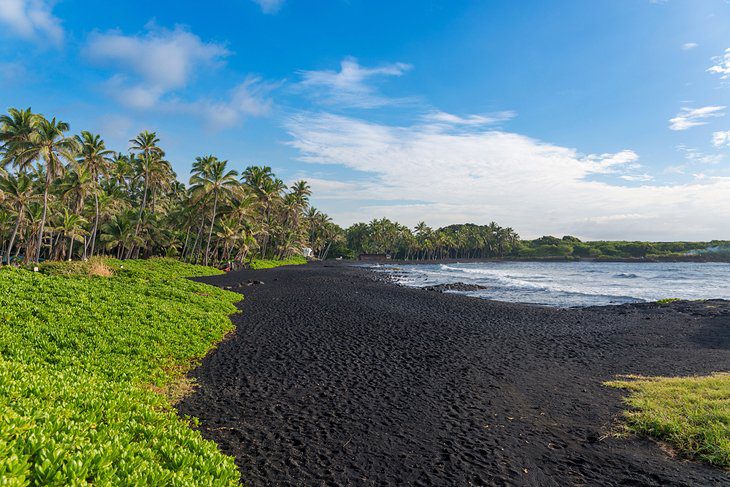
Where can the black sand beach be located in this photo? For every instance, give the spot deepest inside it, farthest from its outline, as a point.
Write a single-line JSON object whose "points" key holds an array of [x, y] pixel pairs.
{"points": [[336, 378]]}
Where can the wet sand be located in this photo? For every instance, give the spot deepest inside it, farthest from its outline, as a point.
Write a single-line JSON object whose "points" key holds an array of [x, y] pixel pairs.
{"points": [[335, 377]]}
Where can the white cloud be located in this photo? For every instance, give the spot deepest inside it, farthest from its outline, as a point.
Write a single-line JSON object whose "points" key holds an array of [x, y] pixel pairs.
{"points": [[425, 172], [722, 65], [687, 46], [269, 6], [31, 20], [692, 117], [469, 120], [721, 139], [350, 86], [152, 64]]}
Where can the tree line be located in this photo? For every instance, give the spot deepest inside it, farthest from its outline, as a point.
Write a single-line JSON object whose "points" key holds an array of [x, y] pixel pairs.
{"points": [[68, 196]]}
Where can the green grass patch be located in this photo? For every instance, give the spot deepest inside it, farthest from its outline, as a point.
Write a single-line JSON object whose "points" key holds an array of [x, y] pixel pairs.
{"points": [[691, 414], [81, 357], [668, 300], [271, 263]]}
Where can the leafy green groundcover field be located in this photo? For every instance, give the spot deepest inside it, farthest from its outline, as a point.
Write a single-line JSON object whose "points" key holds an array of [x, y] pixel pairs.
{"points": [[82, 361], [691, 414], [268, 264]]}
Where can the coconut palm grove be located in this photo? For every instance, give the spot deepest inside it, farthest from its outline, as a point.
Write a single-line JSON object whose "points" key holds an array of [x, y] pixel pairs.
{"points": [[67, 196]]}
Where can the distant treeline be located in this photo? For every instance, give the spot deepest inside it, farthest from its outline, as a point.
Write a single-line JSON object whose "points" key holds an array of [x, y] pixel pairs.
{"points": [[470, 241]]}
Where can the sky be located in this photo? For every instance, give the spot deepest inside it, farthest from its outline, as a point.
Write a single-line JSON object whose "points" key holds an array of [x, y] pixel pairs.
{"points": [[603, 119]]}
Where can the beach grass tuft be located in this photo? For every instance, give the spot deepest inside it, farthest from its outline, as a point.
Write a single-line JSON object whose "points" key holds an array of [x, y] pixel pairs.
{"points": [[690, 414]]}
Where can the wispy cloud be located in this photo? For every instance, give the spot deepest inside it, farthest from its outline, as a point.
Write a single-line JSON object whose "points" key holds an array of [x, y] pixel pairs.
{"points": [[469, 120], [688, 46], [692, 117], [699, 157], [153, 70], [32, 20], [248, 99], [481, 175], [637, 177], [721, 139], [351, 86], [722, 65], [269, 6], [153, 63]]}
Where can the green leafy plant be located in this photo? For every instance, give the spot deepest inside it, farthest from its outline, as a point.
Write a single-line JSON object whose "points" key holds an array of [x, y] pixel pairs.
{"points": [[82, 357]]}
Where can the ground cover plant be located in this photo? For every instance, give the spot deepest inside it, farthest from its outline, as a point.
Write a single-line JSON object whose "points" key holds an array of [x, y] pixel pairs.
{"points": [[85, 349], [691, 414], [268, 264]]}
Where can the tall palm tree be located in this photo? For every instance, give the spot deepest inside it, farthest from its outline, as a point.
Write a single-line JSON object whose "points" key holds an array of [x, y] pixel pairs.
{"points": [[17, 192], [267, 188], [96, 158], [49, 145], [16, 129], [212, 179]]}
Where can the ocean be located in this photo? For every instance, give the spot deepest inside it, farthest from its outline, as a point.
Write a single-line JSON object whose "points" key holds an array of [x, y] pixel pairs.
{"points": [[569, 284]]}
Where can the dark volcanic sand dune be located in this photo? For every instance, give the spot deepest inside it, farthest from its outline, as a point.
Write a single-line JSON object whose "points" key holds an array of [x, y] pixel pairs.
{"points": [[335, 378]]}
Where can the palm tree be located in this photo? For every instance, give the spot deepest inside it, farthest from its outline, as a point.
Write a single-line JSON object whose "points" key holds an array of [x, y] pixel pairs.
{"points": [[71, 226], [211, 178], [267, 188], [119, 233], [96, 158], [50, 146], [16, 129], [17, 192]]}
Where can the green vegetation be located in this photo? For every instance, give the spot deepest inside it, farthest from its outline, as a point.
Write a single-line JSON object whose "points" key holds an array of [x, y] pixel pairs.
{"points": [[66, 197], [471, 241], [86, 360], [691, 414], [668, 300], [268, 264]]}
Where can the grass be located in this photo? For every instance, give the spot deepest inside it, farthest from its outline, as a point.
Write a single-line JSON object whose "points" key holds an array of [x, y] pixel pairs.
{"points": [[268, 264], [83, 349], [690, 414], [668, 300]]}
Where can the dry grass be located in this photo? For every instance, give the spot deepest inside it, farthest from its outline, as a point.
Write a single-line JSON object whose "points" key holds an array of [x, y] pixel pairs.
{"points": [[98, 267]]}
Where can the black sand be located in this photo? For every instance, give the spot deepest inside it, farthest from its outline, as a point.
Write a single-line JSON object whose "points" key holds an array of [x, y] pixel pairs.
{"points": [[334, 378]]}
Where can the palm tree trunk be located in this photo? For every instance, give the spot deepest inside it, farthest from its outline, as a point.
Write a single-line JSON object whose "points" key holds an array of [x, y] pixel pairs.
{"points": [[210, 232], [139, 217], [96, 223], [12, 237], [71, 247], [43, 217]]}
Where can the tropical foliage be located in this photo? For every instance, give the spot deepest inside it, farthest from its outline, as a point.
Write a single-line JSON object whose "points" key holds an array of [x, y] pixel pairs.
{"points": [[83, 361], [471, 241], [65, 196]]}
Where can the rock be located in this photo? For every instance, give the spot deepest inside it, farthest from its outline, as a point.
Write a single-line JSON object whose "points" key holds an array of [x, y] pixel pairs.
{"points": [[455, 286]]}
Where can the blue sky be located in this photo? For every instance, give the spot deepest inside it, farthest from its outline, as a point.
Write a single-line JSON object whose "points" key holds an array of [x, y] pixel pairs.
{"points": [[602, 119]]}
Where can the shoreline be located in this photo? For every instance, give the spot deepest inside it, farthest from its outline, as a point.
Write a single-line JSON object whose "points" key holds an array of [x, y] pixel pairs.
{"points": [[700, 259], [334, 376]]}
